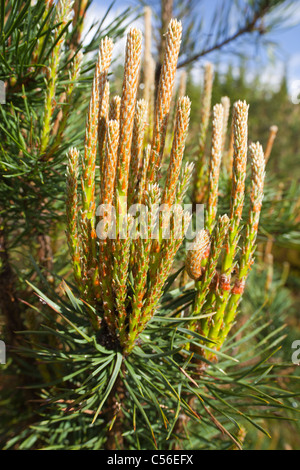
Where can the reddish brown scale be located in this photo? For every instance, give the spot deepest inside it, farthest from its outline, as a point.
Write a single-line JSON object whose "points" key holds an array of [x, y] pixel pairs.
{"points": [[214, 285], [224, 283], [239, 287]]}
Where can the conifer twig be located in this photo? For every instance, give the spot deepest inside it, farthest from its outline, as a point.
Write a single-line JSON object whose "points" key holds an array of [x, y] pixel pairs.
{"points": [[247, 256], [164, 95], [214, 166], [128, 102], [199, 178]]}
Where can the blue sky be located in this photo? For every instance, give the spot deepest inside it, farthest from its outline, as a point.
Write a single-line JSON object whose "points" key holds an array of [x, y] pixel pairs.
{"points": [[287, 53]]}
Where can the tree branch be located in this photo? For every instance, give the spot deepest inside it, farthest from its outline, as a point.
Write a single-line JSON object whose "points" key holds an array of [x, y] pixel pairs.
{"points": [[249, 27]]}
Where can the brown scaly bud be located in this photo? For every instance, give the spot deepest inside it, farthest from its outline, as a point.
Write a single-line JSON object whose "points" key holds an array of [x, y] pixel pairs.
{"points": [[224, 283], [198, 252], [180, 134], [164, 95], [130, 85], [272, 137], [239, 287]]}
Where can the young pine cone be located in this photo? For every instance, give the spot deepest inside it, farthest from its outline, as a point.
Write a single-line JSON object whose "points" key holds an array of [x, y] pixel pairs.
{"points": [[197, 254]]}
